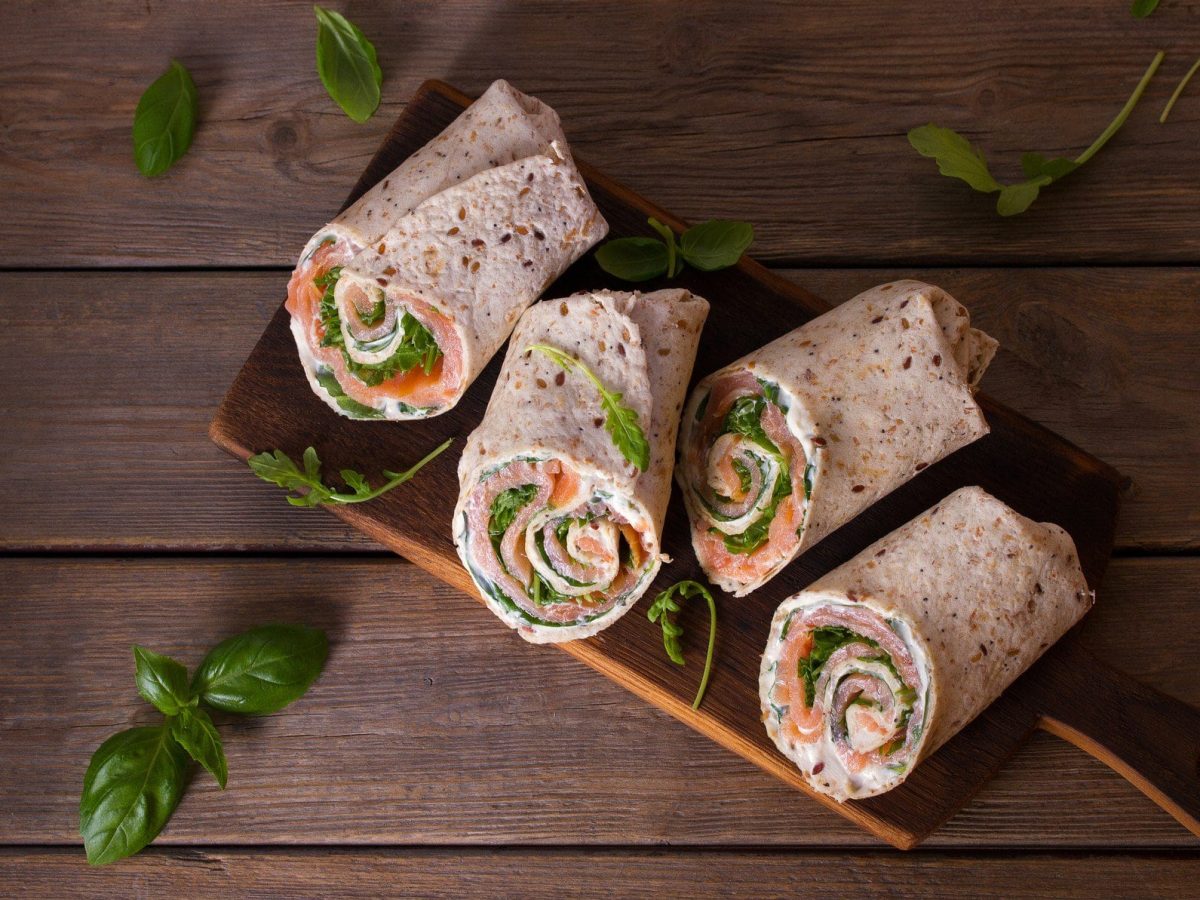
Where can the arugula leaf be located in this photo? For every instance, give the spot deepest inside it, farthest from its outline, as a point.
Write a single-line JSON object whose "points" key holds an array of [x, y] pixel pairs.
{"points": [[195, 732], [957, 158], [745, 476], [262, 670], [505, 508], [633, 258], [825, 640], [808, 481], [164, 121], [347, 65], [955, 155], [1162, 120], [417, 345], [665, 610], [376, 313], [161, 681], [757, 533], [1142, 8], [279, 469], [621, 422], [716, 244], [745, 418], [331, 319], [132, 786], [327, 380]]}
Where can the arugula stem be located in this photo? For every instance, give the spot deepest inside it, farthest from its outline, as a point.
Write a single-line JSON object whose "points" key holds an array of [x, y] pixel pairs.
{"points": [[712, 643], [1115, 125], [568, 362], [1178, 90], [396, 478]]}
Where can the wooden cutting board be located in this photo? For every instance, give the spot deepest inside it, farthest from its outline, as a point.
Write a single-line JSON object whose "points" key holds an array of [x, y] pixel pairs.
{"points": [[1150, 738]]}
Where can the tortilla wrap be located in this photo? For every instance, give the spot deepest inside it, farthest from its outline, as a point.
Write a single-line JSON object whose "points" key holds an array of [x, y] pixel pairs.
{"points": [[386, 326], [919, 633], [792, 441], [588, 525]]}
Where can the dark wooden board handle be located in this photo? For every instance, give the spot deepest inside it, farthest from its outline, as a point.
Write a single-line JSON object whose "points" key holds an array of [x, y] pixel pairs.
{"points": [[1151, 739]]}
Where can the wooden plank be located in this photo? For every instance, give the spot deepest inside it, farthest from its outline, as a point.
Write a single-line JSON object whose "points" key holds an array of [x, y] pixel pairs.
{"points": [[128, 444], [457, 873], [270, 404], [784, 115], [434, 725]]}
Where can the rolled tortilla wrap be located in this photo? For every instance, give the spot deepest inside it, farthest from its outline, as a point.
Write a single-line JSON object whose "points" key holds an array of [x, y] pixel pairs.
{"points": [[877, 664], [405, 356], [502, 126], [788, 443], [559, 530]]}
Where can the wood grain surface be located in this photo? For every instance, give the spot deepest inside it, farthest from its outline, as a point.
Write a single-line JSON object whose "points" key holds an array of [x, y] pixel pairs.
{"points": [[789, 115], [433, 726], [456, 873], [793, 117]]}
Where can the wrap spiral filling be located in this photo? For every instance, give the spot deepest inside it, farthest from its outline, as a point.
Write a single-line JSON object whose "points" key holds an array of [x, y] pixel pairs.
{"points": [[369, 347], [748, 476], [846, 681], [550, 548]]}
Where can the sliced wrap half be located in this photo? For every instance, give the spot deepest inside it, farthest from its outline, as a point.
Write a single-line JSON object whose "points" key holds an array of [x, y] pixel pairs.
{"points": [[399, 302], [559, 530], [787, 444], [877, 664]]}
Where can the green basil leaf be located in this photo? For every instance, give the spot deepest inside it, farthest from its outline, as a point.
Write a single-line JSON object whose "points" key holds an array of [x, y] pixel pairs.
{"points": [[955, 156], [132, 786], [633, 258], [347, 65], [164, 121], [263, 670], [716, 244], [161, 680], [1143, 8], [195, 732]]}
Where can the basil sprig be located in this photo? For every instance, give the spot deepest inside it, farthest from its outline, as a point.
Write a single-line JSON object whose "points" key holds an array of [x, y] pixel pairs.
{"points": [[347, 65], [279, 468], [957, 158], [1142, 8], [715, 244], [164, 121], [137, 777], [665, 610], [621, 421]]}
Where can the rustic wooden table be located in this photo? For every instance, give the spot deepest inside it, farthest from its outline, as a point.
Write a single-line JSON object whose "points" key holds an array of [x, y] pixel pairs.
{"points": [[439, 754]]}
